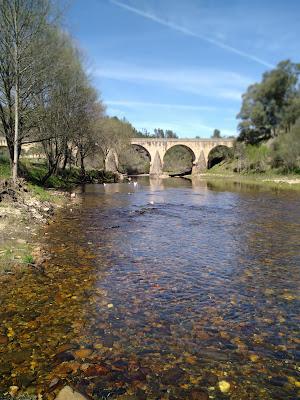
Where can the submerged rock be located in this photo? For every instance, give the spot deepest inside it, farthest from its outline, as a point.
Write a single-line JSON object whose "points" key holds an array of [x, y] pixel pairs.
{"points": [[3, 339], [67, 393], [197, 394], [24, 380], [224, 386], [82, 353]]}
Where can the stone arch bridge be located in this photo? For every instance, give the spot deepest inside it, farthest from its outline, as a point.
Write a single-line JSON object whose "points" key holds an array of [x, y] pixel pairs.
{"points": [[200, 149], [157, 148]]}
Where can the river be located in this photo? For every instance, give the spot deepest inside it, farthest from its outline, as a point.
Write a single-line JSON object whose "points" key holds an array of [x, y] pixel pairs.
{"points": [[160, 290]]}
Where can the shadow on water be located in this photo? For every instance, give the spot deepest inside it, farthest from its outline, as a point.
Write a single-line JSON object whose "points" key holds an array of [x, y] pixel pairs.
{"points": [[160, 290]]}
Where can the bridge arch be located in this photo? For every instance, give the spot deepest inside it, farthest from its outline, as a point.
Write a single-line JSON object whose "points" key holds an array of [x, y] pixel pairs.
{"points": [[218, 154], [178, 159], [139, 146], [134, 160]]}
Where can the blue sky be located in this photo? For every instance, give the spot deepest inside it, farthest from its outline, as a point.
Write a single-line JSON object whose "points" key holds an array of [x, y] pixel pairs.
{"points": [[182, 64]]}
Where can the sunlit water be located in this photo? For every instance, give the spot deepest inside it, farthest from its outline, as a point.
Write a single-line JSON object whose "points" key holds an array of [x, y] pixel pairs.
{"points": [[161, 291]]}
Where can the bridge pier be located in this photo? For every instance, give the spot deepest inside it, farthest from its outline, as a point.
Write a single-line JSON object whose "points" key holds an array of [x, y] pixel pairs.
{"points": [[111, 161], [200, 165], [156, 166]]}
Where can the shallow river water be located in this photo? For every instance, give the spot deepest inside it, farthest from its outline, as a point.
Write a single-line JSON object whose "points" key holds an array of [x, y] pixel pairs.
{"points": [[160, 291]]}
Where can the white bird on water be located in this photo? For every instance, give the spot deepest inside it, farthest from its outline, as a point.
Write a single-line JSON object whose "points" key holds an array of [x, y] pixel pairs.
{"points": [[104, 184], [135, 184]]}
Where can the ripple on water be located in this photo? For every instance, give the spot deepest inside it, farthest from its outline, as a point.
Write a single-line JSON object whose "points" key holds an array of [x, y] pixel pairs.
{"points": [[164, 301]]}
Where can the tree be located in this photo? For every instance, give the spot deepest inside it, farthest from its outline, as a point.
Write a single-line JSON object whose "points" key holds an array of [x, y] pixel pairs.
{"points": [[89, 110], [170, 134], [67, 107], [22, 46], [285, 150], [271, 106], [216, 134], [113, 134], [159, 133]]}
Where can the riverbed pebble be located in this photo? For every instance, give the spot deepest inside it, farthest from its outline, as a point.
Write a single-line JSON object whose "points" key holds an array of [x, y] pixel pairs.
{"points": [[67, 393], [224, 386]]}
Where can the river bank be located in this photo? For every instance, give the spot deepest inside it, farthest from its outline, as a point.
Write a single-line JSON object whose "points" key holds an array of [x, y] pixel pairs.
{"points": [[32, 204], [271, 181], [24, 209]]}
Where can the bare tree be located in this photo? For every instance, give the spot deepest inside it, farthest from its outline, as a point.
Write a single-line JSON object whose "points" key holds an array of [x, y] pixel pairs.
{"points": [[22, 27], [113, 134]]}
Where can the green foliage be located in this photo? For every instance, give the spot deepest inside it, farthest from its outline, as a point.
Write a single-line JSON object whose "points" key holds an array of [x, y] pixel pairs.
{"points": [[251, 158], [28, 259], [286, 151], [216, 134], [178, 159], [158, 133], [134, 161], [5, 171], [39, 192], [271, 105]]}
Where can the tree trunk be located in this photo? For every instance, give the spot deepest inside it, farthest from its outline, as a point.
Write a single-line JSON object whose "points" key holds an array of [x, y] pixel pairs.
{"points": [[16, 139], [16, 133], [50, 172], [82, 168], [66, 158]]}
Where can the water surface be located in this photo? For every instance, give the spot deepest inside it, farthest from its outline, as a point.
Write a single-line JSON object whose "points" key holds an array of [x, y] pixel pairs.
{"points": [[161, 291]]}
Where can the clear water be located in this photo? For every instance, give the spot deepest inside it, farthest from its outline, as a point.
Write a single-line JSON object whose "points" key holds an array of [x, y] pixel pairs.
{"points": [[161, 291]]}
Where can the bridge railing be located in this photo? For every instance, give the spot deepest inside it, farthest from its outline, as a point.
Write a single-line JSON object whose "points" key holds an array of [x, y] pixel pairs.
{"points": [[229, 140]]}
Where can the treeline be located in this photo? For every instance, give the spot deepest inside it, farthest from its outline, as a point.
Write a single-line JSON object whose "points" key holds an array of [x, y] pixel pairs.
{"points": [[269, 128], [46, 97], [157, 133]]}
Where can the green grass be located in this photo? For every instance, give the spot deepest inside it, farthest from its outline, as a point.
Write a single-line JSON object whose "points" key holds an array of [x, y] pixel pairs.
{"points": [[266, 180], [12, 255], [28, 259], [35, 171], [40, 193], [5, 172]]}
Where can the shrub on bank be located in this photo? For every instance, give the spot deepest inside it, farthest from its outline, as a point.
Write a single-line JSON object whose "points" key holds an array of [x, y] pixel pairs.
{"points": [[251, 158], [286, 151]]}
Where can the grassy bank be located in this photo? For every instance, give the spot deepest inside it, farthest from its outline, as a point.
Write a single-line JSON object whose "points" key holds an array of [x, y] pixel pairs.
{"points": [[25, 208], [270, 179]]}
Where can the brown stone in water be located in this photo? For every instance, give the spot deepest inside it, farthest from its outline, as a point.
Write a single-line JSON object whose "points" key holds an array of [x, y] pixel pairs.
{"points": [[24, 380], [64, 347], [20, 356], [96, 370], [82, 353], [3, 339], [198, 395], [172, 376], [5, 367]]}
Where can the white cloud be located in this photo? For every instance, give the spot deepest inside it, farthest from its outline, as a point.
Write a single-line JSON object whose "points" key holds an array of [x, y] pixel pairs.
{"points": [[172, 25], [145, 104], [204, 82]]}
